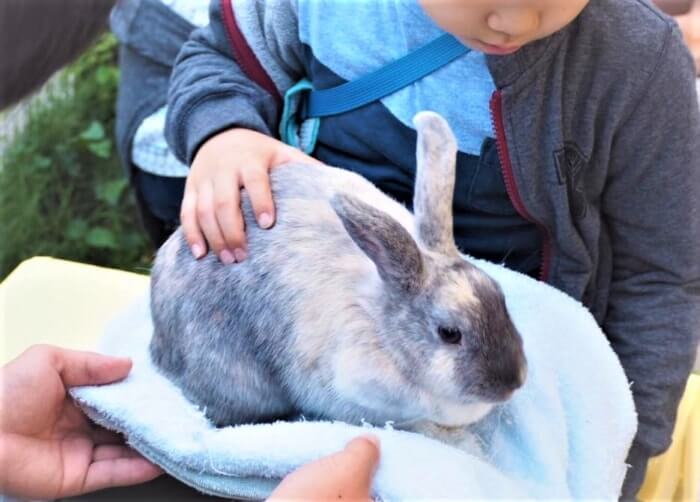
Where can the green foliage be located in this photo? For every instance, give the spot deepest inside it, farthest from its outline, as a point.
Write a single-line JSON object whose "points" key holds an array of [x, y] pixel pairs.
{"points": [[62, 190]]}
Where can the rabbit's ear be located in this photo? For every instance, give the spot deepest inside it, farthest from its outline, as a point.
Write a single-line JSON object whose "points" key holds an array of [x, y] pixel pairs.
{"points": [[383, 240], [436, 155]]}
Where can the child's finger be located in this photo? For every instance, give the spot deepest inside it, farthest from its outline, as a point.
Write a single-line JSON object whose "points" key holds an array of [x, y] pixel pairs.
{"points": [[227, 201], [206, 216], [190, 226], [288, 153], [257, 184]]}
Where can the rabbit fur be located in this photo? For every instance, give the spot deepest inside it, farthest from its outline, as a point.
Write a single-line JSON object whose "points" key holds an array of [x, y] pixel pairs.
{"points": [[350, 308]]}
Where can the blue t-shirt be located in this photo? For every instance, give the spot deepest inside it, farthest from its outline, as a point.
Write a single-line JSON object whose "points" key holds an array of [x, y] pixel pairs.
{"points": [[378, 140]]}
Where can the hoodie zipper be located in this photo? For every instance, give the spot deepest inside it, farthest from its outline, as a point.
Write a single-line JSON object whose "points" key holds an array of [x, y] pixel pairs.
{"points": [[496, 106]]}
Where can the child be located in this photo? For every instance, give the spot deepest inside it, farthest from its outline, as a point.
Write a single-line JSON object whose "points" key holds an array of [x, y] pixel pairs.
{"points": [[579, 140]]}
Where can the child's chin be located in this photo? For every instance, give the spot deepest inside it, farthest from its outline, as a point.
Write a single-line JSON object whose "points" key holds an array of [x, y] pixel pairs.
{"points": [[493, 50]]}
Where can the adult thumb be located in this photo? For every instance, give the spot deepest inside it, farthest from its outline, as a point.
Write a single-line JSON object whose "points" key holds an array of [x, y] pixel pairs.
{"points": [[89, 368], [361, 455], [347, 474]]}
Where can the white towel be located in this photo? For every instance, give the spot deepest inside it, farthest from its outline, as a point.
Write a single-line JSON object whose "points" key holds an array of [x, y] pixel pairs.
{"points": [[565, 433]]}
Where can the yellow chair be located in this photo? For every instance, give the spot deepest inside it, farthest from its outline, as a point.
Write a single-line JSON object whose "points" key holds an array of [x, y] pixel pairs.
{"points": [[675, 475], [45, 300]]}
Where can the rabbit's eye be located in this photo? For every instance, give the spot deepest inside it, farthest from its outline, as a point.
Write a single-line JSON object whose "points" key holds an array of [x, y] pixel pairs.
{"points": [[450, 335]]}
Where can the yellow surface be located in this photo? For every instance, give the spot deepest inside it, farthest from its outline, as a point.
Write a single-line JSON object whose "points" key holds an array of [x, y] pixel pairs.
{"points": [[45, 300], [675, 475]]}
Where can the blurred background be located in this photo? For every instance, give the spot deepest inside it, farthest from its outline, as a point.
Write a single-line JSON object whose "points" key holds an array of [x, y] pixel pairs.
{"points": [[63, 192]]}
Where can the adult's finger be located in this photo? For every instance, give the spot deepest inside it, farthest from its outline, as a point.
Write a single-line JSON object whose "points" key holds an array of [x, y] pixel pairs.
{"points": [[112, 452], [125, 471], [347, 474], [361, 456], [87, 368]]}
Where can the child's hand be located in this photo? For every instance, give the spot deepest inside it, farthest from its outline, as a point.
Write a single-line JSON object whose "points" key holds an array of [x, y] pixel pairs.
{"points": [[211, 206]]}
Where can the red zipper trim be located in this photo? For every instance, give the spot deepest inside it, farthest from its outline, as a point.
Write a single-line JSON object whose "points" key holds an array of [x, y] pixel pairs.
{"points": [[496, 105], [244, 55]]}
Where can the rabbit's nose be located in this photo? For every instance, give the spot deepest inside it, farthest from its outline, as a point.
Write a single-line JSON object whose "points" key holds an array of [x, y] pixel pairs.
{"points": [[509, 375], [512, 379]]}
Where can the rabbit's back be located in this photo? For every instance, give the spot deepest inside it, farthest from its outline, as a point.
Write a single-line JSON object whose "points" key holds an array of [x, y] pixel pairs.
{"points": [[239, 339]]}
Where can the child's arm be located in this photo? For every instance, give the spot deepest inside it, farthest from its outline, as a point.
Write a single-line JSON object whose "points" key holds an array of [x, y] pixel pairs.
{"points": [[223, 124], [651, 206]]}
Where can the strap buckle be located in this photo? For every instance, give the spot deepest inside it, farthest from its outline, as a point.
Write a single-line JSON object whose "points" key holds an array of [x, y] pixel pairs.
{"points": [[296, 129]]}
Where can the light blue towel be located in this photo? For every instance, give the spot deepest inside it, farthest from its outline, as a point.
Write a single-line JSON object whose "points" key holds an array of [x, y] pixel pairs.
{"points": [[565, 434]]}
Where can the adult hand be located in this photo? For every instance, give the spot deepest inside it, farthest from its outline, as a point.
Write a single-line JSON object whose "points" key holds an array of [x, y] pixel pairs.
{"points": [[48, 447], [345, 475]]}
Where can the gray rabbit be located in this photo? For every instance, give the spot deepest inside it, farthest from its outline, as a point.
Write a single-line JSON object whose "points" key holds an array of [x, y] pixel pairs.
{"points": [[349, 308]]}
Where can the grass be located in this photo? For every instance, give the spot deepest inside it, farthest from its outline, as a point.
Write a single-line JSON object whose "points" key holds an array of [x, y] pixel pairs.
{"points": [[62, 190]]}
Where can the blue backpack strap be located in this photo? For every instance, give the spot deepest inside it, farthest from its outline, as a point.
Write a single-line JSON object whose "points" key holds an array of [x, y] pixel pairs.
{"points": [[303, 105], [386, 80], [293, 130]]}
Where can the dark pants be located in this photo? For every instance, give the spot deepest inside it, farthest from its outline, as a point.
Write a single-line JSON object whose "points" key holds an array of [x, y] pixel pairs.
{"points": [[159, 199]]}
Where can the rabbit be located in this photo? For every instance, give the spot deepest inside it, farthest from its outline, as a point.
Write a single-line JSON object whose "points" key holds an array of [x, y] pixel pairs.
{"points": [[349, 308]]}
